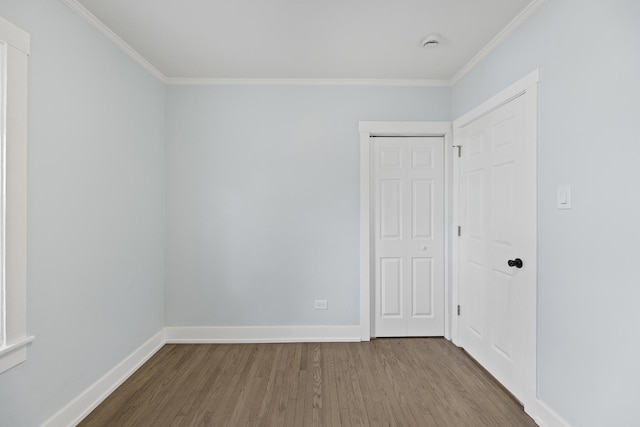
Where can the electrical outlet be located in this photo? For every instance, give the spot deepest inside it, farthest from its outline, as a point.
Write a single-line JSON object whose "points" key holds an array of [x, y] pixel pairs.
{"points": [[320, 304]]}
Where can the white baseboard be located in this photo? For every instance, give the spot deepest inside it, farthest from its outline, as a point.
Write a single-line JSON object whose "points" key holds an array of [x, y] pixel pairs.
{"points": [[262, 334], [547, 417], [89, 399]]}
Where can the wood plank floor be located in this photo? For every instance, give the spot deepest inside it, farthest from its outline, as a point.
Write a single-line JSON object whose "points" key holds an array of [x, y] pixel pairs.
{"points": [[386, 382]]}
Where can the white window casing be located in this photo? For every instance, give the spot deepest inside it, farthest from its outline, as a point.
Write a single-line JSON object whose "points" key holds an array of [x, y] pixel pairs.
{"points": [[14, 61]]}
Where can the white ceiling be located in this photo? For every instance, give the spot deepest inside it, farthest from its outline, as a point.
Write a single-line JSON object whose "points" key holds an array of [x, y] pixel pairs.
{"points": [[305, 39]]}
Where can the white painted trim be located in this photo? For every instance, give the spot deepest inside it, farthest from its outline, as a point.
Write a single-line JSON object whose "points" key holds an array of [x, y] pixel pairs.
{"points": [[511, 27], [114, 38], [3, 193], [448, 227], [76, 410], [512, 91], [15, 36], [306, 82], [547, 417], [16, 345], [397, 128], [13, 194], [367, 130], [96, 23], [527, 87], [101, 27], [90, 398], [455, 242], [261, 334]]}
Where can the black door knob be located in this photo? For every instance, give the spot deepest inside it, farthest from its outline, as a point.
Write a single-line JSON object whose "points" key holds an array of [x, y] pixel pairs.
{"points": [[517, 263]]}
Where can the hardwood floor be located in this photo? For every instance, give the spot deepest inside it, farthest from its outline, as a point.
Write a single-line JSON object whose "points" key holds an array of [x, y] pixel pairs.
{"points": [[386, 382]]}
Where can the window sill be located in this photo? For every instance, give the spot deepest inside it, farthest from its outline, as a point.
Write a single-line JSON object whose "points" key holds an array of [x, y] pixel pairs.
{"points": [[14, 353]]}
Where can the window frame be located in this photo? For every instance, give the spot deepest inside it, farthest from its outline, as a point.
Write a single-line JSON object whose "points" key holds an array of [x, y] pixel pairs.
{"points": [[15, 52], [3, 109]]}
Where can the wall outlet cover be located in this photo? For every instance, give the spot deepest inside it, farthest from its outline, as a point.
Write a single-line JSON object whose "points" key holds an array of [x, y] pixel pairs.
{"points": [[320, 304]]}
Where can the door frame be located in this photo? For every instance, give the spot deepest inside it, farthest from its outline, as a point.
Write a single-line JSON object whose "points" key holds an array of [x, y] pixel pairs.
{"points": [[369, 129], [526, 87]]}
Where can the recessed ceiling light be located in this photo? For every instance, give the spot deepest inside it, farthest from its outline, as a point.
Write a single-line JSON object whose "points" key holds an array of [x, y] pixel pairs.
{"points": [[431, 40]]}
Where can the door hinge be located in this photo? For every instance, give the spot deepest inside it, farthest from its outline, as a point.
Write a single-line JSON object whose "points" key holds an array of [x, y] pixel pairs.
{"points": [[459, 147], [458, 310], [459, 231]]}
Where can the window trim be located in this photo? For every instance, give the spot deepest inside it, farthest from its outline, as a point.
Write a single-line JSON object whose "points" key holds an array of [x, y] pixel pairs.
{"points": [[3, 109], [13, 201]]}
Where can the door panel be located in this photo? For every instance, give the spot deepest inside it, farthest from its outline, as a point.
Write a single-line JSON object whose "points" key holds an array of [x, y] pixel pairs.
{"points": [[391, 158], [391, 209], [422, 287], [391, 286], [502, 321], [474, 313], [422, 215], [503, 206], [495, 203], [475, 201], [408, 211]]}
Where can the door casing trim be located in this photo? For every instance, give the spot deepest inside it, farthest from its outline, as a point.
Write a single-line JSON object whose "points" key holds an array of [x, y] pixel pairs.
{"points": [[368, 130]]}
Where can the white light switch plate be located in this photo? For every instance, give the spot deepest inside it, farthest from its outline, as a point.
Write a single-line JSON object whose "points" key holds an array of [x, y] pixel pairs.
{"points": [[564, 197]]}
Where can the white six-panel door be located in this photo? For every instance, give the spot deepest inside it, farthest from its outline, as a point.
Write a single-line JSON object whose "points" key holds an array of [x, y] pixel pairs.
{"points": [[408, 210], [498, 219]]}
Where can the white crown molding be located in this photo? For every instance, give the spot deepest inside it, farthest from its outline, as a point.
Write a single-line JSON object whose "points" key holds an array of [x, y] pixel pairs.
{"points": [[511, 27], [306, 82], [516, 23], [102, 28], [114, 38]]}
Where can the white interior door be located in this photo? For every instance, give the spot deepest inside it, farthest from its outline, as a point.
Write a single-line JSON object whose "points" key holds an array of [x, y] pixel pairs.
{"points": [[408, 211], [498, 220]]}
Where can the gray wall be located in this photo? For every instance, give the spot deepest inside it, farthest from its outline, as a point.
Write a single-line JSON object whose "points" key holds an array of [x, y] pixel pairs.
{"points": [[263, 199], [588, 317], [96, 211]]}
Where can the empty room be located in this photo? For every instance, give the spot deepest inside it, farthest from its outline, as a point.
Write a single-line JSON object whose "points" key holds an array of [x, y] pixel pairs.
{"points": [[319, 213]]}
